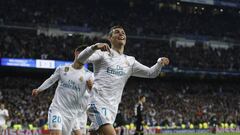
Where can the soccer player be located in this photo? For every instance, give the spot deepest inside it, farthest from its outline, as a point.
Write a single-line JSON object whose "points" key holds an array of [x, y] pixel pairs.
{"points": [[73, 81], [138, 111], [3, 117], [112, 69]]}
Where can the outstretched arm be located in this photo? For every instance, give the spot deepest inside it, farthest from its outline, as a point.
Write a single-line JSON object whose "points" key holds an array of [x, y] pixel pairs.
{"points": [[47, 83], [140, 70]]}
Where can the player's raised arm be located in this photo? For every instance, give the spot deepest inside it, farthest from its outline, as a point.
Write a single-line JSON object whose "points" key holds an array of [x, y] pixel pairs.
{"points": [[87, 55], [47, 83], [140, 70]]}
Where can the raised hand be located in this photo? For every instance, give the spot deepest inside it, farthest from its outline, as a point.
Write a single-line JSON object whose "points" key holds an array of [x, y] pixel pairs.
{"points": [[102, 47], [163, 61], [35, 92]]}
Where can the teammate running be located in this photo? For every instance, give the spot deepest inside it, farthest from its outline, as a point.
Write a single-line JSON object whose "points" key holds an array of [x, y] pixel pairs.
{"points": [[73, 82]]}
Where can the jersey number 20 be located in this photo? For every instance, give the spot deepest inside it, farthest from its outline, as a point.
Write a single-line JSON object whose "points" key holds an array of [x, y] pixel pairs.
{"points": [[56, 119]]}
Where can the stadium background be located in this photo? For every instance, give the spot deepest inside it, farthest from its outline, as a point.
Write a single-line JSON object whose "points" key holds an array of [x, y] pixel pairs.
{"points": [[201, 38]]}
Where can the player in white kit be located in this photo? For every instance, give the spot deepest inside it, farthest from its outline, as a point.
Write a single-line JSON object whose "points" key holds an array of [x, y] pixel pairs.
{"points": [[3, 117], [73, 81], [112, 69]]}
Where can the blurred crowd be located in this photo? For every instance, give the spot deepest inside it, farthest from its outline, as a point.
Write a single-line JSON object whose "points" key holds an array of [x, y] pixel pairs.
{"points": [[141, 17], [164, 17], [23, 108], [182, 102], [20, 44], [194, 57], [168, 102]]}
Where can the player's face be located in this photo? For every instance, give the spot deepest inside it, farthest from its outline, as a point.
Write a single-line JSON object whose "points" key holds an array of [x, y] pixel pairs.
{"points": [[2, 106], [144, 99], [118, 37]]}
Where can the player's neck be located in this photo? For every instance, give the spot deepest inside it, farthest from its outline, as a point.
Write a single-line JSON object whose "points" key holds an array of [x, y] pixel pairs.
{"points": [[118, 49], [77, 65]]}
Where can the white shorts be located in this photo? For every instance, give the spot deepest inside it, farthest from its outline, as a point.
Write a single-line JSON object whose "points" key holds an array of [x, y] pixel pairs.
{"points": [[57, 121], [100, 115]]}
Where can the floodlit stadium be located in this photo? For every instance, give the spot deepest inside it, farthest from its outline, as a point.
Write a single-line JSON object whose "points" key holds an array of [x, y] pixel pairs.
{"points": [[124, 67]]}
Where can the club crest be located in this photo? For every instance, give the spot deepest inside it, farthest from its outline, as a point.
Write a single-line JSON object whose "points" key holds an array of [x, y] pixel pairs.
{"points": [[66, 69], [127, 63], [81, 78]]}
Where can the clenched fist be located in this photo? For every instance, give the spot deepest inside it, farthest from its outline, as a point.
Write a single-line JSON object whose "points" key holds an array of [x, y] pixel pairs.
{"points": [[89, 84], [35, 92], [163, 61], [101, 46]]}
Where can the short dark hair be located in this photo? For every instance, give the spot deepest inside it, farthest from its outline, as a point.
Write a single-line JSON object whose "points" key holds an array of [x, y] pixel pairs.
{"points": [[80, 48], [141, 97], [114, 27]]}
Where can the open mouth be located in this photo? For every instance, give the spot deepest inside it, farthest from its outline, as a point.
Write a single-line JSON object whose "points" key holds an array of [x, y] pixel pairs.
{"points": [[121, 38]]}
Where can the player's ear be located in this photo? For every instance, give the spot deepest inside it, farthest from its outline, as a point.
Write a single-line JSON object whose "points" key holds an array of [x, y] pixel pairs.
{"points": [[109, 36], [76, 53]]}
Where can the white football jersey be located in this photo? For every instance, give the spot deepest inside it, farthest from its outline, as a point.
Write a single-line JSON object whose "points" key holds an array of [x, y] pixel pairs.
{"points": [[69, 94], [3, 115], [111, 72]]}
